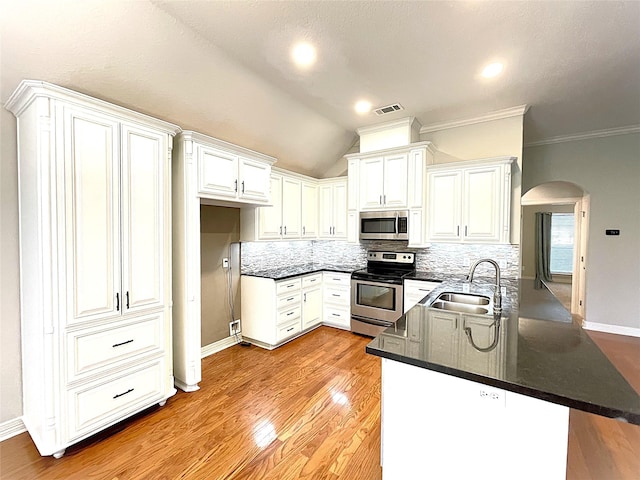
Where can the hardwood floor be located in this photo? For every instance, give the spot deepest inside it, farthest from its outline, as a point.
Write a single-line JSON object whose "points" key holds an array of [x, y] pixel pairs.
{"points": [[308, 410]]}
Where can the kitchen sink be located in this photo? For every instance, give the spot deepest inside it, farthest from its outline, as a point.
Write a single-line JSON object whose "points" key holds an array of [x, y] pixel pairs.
{"points": [[465, 298], [463, 303], [460, 307]]}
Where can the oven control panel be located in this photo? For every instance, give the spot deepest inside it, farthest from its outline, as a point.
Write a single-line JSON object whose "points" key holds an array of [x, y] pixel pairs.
{"points": [[395, 257]]}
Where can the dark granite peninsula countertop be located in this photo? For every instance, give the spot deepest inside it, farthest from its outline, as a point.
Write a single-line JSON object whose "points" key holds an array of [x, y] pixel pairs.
{"points": [[532, 351], [290, 271]]}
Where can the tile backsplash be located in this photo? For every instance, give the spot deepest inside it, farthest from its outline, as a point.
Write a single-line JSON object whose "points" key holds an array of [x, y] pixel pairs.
{"points": [[448, 258]]}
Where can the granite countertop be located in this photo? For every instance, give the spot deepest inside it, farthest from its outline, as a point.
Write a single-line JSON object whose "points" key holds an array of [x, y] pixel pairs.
{"points": [[290, 271], [531, 348]]}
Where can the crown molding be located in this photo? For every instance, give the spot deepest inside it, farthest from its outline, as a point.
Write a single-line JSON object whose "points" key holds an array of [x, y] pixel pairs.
{"points": [[379, 127], [610, 132], [487, 117]]}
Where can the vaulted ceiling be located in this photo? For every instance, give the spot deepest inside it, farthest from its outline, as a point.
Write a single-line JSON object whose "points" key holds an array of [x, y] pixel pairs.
{"points": [[223, 68]]}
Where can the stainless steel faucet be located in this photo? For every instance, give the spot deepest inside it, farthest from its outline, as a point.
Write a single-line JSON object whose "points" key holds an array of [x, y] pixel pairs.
{"points": [[497, 294]]}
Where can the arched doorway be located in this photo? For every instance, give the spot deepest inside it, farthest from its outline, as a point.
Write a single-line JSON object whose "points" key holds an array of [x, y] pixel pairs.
{"points": [[561, 198]]}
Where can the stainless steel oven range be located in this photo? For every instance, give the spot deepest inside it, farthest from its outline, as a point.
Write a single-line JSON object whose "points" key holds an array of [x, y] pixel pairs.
{"points": [[377, 293]]}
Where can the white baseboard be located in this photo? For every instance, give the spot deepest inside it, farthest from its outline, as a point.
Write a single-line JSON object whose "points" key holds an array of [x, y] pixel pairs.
{"points": [[219, 346], [11, 428], [606, 328]]}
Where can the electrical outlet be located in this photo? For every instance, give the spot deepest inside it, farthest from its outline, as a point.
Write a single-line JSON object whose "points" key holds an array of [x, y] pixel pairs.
{"points": [[225, 263], [234, 327], [492, 396]]}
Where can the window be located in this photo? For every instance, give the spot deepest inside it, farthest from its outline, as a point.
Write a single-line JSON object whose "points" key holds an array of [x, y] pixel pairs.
{"points": [[562, 227]]}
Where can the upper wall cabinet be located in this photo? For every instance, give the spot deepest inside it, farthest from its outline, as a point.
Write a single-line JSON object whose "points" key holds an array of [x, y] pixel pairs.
{"points": [[295, 212], [230, 173], [469, 201], [95, 262], [333, 208], [383, 182]]}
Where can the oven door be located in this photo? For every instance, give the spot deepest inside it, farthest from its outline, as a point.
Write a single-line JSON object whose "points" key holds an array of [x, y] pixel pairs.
{"points": [[376, 300]]}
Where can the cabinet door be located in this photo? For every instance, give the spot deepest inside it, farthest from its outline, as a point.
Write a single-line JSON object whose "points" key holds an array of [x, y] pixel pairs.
{"points": [[371, 183], [92, 206], [482, 201], [442, 337], [217, 172], [291, 211], [416, 178], [144, 196], [309, 210], [254, 180], [483, 332], [270, 218], [444, 205], [395, 181], [340, 210], [311, 307], [326, 210]]}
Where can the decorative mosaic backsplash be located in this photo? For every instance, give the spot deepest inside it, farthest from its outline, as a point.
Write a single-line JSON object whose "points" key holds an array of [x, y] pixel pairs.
{"points": [[446, 258]]}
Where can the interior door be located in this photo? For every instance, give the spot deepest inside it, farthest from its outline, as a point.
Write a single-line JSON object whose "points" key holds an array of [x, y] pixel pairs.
{"points": [[92, 214], [144, 157]]}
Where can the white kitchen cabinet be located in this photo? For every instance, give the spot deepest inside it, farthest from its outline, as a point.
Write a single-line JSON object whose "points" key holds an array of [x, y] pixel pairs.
{"points": [[309, 209], [311, 300], [470, 202], [383, 182], [95, 262], [337, 299], [333, 208], [294, 214], [282, 220], [224, 174]]}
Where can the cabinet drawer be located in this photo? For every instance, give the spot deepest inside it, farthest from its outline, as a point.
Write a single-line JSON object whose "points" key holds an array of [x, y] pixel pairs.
{"points": [[312, 280], [330, 278], [287, 315], [94, 406], [89, 350], [417, 287], [287, 286], [338, 316], [289, 300], [337, 295], [287, 330]]}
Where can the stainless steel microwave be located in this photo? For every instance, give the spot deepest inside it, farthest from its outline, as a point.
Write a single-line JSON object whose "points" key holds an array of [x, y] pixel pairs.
{"points": [[391, 225]]}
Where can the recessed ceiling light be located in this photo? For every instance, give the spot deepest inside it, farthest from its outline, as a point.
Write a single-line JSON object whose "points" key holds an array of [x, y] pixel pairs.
{"points": [[363, 107], [492, 70], [304, 54]]}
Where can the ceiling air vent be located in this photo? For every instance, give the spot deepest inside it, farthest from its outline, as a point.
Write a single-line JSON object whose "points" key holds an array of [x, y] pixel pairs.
{"points": [[396, 107]]}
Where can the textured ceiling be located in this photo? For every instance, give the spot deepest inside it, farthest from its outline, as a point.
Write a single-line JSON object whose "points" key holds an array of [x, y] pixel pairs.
{"points": [[222, 68]]}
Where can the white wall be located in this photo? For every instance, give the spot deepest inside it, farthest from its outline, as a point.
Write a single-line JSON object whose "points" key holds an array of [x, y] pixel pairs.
{"points": [[484, 140], [608, 169]]}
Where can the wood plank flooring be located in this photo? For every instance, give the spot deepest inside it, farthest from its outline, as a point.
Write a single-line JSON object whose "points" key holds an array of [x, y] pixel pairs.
{"points": [[308, 410]]}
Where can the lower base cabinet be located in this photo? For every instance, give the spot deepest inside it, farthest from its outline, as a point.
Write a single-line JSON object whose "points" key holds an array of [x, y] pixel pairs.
{"points": [[275, 312]]}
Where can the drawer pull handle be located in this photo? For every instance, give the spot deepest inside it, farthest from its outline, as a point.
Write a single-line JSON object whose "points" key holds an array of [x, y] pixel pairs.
{"points": [[122, 394], [121, 343], [117, 302], [290, 313], [335, 314], [424, 289], [127, 300], [335, 294], [289, 329], [289, 299]]}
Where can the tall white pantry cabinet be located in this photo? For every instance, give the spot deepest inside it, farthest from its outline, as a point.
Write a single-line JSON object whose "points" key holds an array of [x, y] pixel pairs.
{"points": [[95, 262]]}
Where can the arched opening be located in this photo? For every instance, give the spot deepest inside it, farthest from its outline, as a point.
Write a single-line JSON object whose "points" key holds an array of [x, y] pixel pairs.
{"points": [[567, 207]]}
